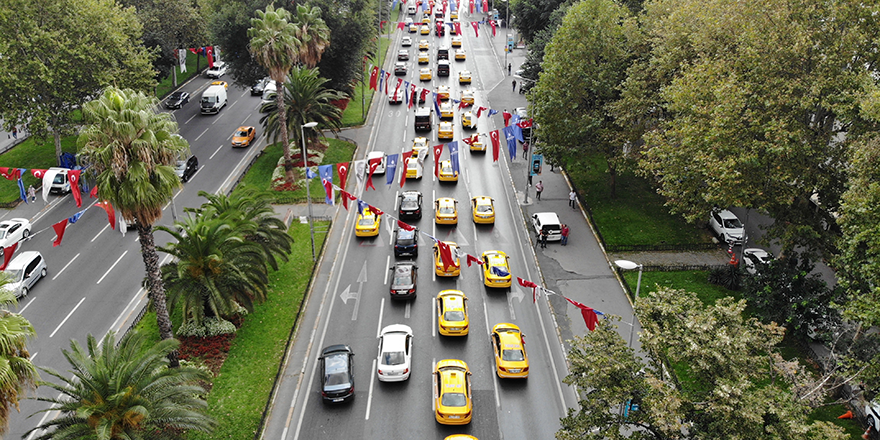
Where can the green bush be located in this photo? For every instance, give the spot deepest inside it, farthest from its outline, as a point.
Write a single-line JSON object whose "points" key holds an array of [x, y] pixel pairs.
{"points": [[210, 327]]}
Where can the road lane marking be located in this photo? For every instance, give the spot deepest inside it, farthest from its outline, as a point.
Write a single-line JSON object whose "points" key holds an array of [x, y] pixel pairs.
{"points": [[434, 304], [216, 151], [200, 136], [25, 307], [407, 310], [370, 393], [111, 267], [99, 233], [381, 311], [65, 267], [388, 269], [495, 376], [67, 317]]}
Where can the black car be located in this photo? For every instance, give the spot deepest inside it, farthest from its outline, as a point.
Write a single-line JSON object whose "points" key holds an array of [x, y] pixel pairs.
{"points": [[410, 205], [337, 374], [177, 99], [406, 243], [257, 89], [185, 169], [404, 279]]}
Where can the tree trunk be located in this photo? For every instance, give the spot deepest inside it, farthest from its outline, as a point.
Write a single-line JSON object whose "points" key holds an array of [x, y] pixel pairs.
{"points": [[613, 172], [285, 136], [56, 135], [156, 286]]}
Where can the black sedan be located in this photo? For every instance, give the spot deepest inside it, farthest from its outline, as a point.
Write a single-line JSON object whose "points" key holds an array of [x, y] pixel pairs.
{"points": [[177, 99], [337, 374], [257, 89], [185, 169], [410, 205], [404, 280], [406, 243]]}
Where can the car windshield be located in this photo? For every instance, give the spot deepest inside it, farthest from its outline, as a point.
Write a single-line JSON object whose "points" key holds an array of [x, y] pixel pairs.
{"points": [[732, 223], [484, 209], [176, 95], [453, 399], [393, 358], [59, 178], [3, 233], [454, 315], [242, 133], [409, 203], [512, 355], [446, 169], [412, 164], [14, 274], [366, 221], [447, 210]]}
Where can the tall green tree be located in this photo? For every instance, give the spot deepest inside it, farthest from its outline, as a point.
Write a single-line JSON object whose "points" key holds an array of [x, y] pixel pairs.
{"points": [[308, 100], [728, 383], [353, 31], [575, 120], [274, 44], [125, 392], [228, 23], [215, 268], [313, 34], [17, 373], [132, 149], [60, 54]]}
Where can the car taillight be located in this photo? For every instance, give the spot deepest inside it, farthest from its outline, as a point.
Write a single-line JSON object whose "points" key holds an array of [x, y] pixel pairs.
{"points": [[412, 290], [380, 372], [502, 368], [525, 370], [324, 393], [406, 370]]}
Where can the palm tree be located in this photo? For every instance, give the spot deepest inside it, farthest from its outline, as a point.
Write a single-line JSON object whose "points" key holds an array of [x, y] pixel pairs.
{"points": [[215, 268], [313, 34], [125, 392], [131, 149], [274, 45], [252, 206], [17, 373], [308, 100]]}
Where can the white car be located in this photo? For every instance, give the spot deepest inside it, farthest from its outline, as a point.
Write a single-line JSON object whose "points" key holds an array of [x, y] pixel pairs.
{"points": [[395, 353], [217, 71], [726, 226], [755, 258], [376, 155], [14, 230], [872, 413], [406, 41]]}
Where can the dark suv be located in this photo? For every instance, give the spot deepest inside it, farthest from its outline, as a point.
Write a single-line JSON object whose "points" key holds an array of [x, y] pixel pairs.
{"points": [[337, 374], [404, 279], [410, 205], [406, 243]]}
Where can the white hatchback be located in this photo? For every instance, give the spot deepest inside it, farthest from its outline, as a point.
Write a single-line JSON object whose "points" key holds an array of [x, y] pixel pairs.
{"points": [[726, 226], [395, 353]]}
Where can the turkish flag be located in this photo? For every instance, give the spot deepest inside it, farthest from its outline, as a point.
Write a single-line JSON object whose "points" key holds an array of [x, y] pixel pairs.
{"points": [[59, 231], [590, 316], [374, 77], [400, 25], [374, 163], [74, 177], [94, 193], [492, 23], [473, 259], [526, 123], [438, 150], [7, 254], [406, 226], [346, 196], [38, 173], [9, 173], [496, 144], [210, 54], [476, 24], [405, 157], [506, 115], [480, 111], [424, 95], [457, 28], [376, 210], [445, 255], [111, 213], [342, 170]]}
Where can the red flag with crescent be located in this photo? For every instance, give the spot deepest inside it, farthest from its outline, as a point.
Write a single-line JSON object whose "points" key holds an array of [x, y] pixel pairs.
{"points": [[424, 95], [342, 170], [471, 6], [74, 177], [111, 213], [374, 77], [404, 157], [496, 144], [492, 23], [38, 173], [346, 196], [438, 150], [445, 255], [7, 254], [59, 231], [374, 163], [406, 226], [476, 28], [10, 173]]}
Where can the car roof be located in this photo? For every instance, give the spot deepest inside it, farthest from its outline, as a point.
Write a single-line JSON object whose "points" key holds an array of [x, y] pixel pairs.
{"points": [[395, 328], [724, 213], [483, 200], [446, 201], [406, 194], [339, 348], [375, 154], [22, 259]]}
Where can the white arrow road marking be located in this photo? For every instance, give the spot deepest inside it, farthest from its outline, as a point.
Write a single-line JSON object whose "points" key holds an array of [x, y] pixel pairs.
{"points": [[514, 293], [346, 295], [362, 278]]}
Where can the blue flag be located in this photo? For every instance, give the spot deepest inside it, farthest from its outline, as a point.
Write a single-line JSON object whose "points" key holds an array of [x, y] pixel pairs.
{"points": [[406, 90], [436, 103], [326, 172], [362, 205], [511, 141], [453, 155], [73, 219], [517, 132], [310, 174], [499, 271], [381, 80], [452, 7], [424, 5], [393, 4], [390, 168], [492, 112], [21, 190]]}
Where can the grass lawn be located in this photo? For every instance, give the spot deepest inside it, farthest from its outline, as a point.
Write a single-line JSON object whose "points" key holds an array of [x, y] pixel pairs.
{"points": [[637, 215], [357, 109], [242, 388], [31, 154], [260, 174]]}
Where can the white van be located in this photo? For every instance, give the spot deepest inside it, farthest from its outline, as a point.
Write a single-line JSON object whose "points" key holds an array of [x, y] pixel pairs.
{"points": [[269, 92], [376, 155], [213, 99], [24, 271], [411, 9], [549, 222], [60, 183]]}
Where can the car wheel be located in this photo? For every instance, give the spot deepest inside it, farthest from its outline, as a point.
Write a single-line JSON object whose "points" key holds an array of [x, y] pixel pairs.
{"points": [[871, 422], [24, 292], [43, 273], [25, 234]]}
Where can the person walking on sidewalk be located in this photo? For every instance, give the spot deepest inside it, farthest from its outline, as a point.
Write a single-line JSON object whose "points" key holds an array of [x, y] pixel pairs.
{"points": [[14, 132], [32, 193], [526, 150], [514, 86], [564, 233], [508, 69], [543, 239], [572, 199], [538, 188]]}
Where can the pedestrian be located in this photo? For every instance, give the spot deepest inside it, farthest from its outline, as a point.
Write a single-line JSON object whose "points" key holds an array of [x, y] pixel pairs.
{"points": [[538, 189], [572, 199], [543, 239], [514, 85], [525, 150], [14, 132], [508, 69], [32, 193], [564, 234]]}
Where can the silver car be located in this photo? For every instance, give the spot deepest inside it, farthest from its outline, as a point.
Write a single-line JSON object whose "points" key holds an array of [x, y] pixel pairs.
{"points": [[24, 271]]}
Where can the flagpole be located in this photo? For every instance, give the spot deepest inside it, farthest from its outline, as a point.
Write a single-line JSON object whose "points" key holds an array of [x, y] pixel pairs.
{"points": [[305, 158]]}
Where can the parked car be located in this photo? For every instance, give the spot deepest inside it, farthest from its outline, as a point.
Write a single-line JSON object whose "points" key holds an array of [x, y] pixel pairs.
{"points": [[13, 231], [395, 353], [756, 259], [185, 169], [177, 100], [24, 271], [257, 89], [726, 226], [337, 374], [548, 222]]}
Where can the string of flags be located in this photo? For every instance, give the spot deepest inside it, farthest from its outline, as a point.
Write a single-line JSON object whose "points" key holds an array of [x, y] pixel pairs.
{"points": [[591, 315]]}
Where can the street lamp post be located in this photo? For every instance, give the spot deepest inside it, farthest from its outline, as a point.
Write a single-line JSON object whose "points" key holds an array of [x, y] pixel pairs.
{"points": [[305, 157], [629, 265], [506, 29]]}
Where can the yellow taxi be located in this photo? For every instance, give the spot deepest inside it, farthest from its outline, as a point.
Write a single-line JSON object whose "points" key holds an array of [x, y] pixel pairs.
{"points": [[420, 148], [484, 210], [464, 77], [413, 28], [446, 111], [452, 313], [460, 55], [452, 393], [445, 130], [425, 74], [446, 209], [453, 15], [456, 41], [424, 58], [453, 270], [467, 97], [477, 145], [468, 121], [243, 136], [447, 173], [443, 92], [426, 20], [509, 345], [413, 168], [424, 45], [367, 224], [496, 270], [221, 83], [425, 30]]}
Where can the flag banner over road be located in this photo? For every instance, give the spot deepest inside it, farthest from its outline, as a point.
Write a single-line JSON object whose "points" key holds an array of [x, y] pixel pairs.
{"points": [[8, 251], [406, 226], [405, 158], [374, 163], [590, 315], [326, 172], [21, 191], [438, 150], [476, 27], [111, 213], [342, 170], [453, 156], [59, 232], [74, 177], [511, 141], [374, 77], [390, 168]]}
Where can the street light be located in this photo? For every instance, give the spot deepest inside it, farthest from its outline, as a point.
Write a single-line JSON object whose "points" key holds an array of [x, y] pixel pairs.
{"points": [[506, 29], [305, 156], [629, 265]]}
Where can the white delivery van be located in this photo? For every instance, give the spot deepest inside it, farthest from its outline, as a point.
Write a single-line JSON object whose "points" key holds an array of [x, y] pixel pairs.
{"points": [[60, 183], [547, 221], [411, 9], [213, 99]]}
